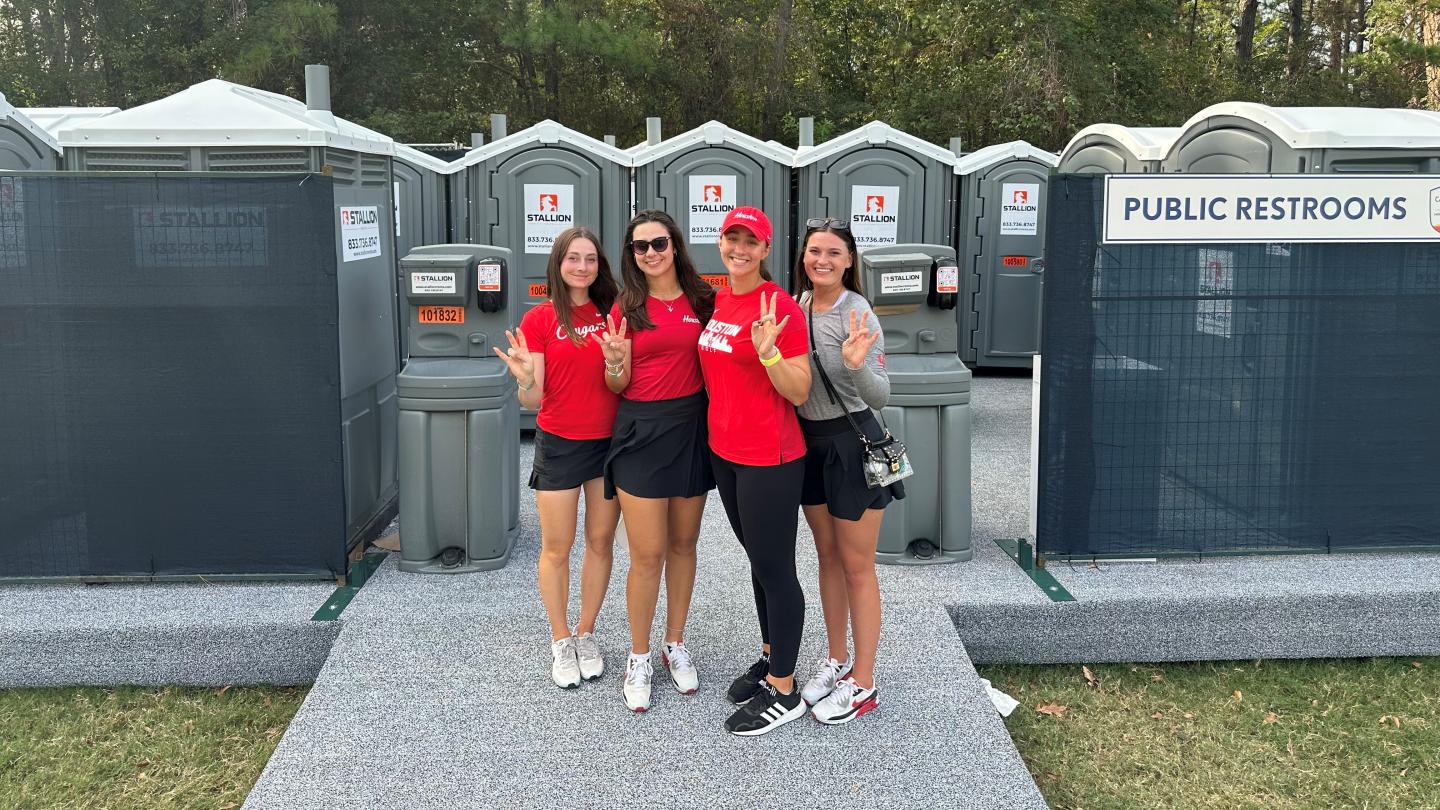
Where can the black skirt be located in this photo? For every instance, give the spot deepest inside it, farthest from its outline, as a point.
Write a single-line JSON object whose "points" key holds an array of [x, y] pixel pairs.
{"points": [[834, 475], [562, 463], [660, 449]]}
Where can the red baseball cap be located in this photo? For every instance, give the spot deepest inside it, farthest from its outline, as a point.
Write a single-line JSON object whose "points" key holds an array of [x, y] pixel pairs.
{"points": [[751, 219]]}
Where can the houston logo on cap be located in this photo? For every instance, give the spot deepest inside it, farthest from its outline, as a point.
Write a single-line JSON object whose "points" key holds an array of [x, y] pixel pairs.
{"points": [[714, 194], [549, 202]]}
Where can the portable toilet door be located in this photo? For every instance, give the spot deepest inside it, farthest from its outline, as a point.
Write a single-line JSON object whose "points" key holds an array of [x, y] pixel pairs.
{"points": [[25, 145], [891, 186], [419, 191], [700, 176], [1114, 149], [217, 126], [527, 187], [1001, 241]]}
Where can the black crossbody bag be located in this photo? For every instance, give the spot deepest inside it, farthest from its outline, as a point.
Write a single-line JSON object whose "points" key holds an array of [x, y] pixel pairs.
{"points": [[883, 459]]}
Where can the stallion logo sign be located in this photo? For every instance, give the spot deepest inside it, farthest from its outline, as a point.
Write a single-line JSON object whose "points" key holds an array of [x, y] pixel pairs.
{"points": [[549, 210], [1020, 209], [712, 196], [875, 204], [1435, 208], [874, 217]]}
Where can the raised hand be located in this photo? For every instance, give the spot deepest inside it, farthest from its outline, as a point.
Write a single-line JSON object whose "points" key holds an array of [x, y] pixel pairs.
{"points": [[612, 340], [855, 347], [518, 358], [764, 331]]}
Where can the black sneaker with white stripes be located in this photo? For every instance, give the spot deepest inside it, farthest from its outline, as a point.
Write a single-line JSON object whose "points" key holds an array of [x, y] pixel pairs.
{"points": [[766, 711]]}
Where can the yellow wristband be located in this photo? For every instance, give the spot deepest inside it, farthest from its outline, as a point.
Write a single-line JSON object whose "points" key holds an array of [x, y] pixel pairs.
{"points": [[774, 358]]}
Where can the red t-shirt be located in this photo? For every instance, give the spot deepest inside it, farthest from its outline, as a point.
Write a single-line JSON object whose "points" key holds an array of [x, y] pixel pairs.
{"points": [[575, 404], [663, 360], [750, 423]]}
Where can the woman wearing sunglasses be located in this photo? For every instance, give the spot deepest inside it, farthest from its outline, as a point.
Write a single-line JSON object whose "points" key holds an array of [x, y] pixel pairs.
{"points": [[753, 356], [843, 512], [558, 367], [659, 461]]}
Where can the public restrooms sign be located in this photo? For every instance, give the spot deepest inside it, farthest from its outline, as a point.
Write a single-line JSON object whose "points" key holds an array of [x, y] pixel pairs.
{"points": [[1155, 208]]}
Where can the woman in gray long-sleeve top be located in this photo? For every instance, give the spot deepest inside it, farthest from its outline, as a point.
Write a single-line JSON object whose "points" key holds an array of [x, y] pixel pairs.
{"points": [[843, 512]]}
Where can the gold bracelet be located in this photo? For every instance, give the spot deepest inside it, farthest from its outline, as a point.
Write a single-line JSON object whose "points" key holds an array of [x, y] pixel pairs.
{"points": [[774, 358]]}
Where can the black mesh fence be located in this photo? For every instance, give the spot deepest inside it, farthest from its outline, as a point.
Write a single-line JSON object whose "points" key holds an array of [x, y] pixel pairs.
{"points": [[169, 398], [1229, 398]]}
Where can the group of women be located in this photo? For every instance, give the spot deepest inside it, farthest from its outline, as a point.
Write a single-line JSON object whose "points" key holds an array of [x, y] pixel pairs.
{"points": [[650, 395]]}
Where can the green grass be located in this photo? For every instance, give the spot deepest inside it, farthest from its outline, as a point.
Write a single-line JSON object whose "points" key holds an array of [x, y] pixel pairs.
{"points": [[1262, 734], [105, 749]]}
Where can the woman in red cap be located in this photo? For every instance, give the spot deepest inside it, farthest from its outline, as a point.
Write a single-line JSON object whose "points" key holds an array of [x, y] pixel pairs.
{"points": [[753, 355]]}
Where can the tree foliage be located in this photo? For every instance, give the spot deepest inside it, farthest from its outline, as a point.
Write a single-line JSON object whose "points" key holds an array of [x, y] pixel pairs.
{"points": [[984, 70]]}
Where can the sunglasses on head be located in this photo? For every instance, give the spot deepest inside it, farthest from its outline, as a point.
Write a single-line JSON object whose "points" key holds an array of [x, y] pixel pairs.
{"points": [[642, 246], [828, 222]]}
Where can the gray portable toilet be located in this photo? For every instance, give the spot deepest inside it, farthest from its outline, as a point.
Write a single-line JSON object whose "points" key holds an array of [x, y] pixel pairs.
{"points": [[1114, 149], [699, 176], [525, 188], [420, 205], [893, 187], [24, 144], [217, 126], [1000, 238]]}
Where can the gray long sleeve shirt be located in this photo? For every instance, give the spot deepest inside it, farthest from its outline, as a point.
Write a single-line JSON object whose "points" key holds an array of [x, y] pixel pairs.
{"points": [[858, 389]]}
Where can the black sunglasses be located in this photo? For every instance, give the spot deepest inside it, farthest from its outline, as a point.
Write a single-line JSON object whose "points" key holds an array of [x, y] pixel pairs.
{"points": [[830, 222], [641, 246]]}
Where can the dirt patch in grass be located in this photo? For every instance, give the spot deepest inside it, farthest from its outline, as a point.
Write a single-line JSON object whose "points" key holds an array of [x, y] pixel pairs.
{"points": [[138, 748], [1271, 734]]}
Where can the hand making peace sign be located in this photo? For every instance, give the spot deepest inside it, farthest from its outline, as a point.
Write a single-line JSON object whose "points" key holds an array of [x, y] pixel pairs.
{"points": [[612, 341], [765, 330], [518, 358], [855, 347]]}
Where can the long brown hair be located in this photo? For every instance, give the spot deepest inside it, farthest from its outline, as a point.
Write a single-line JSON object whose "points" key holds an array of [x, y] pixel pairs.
{"points": [[602, 290], [637, 286], [850, 279]]}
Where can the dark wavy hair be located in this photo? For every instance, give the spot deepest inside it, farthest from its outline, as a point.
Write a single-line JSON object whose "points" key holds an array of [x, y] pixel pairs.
{"points": [[637, 287], [800, 283], [602, 290]]}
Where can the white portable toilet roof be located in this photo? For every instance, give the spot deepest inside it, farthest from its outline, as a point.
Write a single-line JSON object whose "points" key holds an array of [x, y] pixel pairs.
{"points": [[999, 153], [220, 113], [712, 133], [414, 156], [876, 133], [53, 119], [1333, 127], [7, 110], [1145, 143], [546, 131]]}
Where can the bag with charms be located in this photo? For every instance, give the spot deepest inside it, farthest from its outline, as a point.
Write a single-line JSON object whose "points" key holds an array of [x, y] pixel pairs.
{"points": [[884, 459]]}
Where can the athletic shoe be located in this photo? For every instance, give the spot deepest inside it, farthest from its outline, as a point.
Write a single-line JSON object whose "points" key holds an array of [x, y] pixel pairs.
{"points": [[828, 672], [748, 685], [682, 670], [587, 650], [565, 671], [847, 702], [767, 712], [638, 674]]}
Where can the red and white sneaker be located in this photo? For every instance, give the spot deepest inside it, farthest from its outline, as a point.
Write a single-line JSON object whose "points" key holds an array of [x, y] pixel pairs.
{"points": [[847, 702]]}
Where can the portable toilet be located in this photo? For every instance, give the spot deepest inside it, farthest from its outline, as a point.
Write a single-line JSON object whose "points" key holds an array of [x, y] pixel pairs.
{"points": [[523, 189], [54, 119], [420, 205], [217, 126], [891, 186], [1000, 237], [1113, 149], [700, 176], [24, 144]]}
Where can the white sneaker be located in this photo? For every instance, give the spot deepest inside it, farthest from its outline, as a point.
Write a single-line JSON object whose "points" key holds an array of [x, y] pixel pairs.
{"points": [[565, 671], [828, 672], [587, 650], [849, 701], [638, 674], [682, 670]]}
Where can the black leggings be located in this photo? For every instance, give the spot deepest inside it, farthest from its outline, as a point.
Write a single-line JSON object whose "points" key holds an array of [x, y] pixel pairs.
{"points": [[763, 504]]}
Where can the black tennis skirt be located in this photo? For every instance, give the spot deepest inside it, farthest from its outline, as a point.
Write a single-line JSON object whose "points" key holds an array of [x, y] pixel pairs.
{"points": [[834, 475], [562, 463], [660, 449]]}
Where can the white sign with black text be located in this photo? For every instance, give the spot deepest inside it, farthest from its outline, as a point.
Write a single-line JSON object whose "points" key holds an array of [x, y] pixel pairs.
{"points": [[874, 215], [359, 233], [549, 210], [712, 196], [1019, 209]]}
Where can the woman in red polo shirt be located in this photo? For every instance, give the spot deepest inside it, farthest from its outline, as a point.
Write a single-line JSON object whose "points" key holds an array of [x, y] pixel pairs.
{"points": [[753, 355], [558, 366], [659, 462]]}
